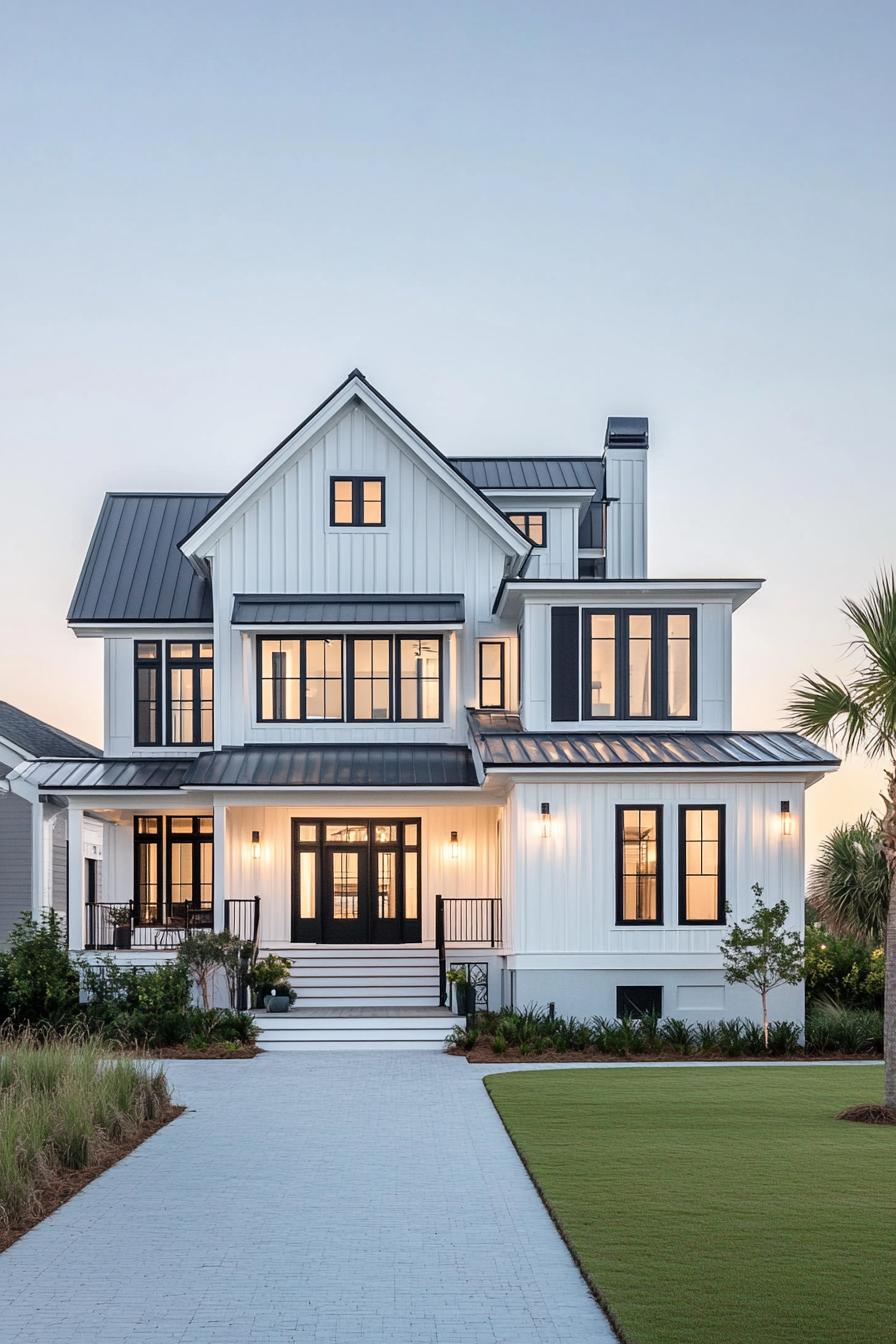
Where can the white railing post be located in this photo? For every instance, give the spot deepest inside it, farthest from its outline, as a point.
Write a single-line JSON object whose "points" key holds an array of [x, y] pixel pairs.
{"points": [[75, 878], [219, 869]]}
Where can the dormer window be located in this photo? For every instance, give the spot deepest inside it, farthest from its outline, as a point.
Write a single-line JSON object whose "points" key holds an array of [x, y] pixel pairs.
{"points": [[357, 501], [532, 525]]}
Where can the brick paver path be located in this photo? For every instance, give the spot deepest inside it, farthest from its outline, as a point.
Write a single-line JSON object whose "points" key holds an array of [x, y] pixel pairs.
{"points": [[334, 1197]]}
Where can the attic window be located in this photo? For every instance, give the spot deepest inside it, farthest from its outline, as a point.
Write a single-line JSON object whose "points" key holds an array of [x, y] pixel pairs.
{"points": [[357, 501], [532, 525]]}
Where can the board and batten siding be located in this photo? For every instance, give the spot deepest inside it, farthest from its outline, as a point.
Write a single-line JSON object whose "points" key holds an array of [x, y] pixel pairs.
{"points": [[118, 704], [564, 887], [282, 542], [540, 666]]}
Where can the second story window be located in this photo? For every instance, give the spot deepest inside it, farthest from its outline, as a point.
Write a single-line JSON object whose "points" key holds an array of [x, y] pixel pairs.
{"points": [[639, 665], [357, 501], [420, 678], [532, 525], [491, 674], [299, 679], [147, 693], [190, 684]]}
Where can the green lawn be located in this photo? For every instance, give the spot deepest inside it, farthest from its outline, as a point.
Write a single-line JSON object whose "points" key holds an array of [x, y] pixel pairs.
{"points": [[718, 1206]]}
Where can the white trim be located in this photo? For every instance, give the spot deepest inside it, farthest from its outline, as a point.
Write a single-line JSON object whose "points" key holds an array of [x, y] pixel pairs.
{"points": [[591, 592]]}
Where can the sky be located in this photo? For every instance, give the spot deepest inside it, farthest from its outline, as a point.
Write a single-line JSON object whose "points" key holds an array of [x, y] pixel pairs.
{"points": [[516, 219]]}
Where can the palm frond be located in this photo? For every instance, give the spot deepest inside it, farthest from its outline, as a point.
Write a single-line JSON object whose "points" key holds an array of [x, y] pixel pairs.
{"points": [[849, 885], [874, 684], [827, 711]]}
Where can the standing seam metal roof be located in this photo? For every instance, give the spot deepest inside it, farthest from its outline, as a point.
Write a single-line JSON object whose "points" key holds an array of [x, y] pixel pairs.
{"points": [[348, 608], [532, 473]]}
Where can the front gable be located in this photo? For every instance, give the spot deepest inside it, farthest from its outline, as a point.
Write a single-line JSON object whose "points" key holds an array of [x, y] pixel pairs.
{"points": [[286, 500]]}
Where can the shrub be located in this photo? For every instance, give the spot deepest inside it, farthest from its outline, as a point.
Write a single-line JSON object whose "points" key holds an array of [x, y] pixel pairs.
{"points": [[677, 1034], [843, 969], [831, 1029], [151, 1007], [39, 983], [783, 1038]]}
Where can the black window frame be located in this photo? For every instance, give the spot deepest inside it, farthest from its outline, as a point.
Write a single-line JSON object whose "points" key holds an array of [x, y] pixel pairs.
{"points": [[347, 641], [627, 991], [195, 840], [721, 898], [659, 670], [149, 840], [357, 484], [154, 665], [502, 674], [621, 921], [526, 515], [197, 663]]}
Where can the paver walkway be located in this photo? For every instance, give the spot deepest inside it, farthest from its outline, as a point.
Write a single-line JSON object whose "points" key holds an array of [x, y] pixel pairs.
{"points": [[334, 1197]]}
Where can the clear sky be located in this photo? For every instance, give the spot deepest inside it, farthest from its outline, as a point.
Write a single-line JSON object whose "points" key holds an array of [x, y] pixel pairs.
{"points": [[517, 219]]}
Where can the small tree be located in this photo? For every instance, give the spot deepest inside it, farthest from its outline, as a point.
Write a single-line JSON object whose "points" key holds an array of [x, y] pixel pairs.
{"points": [[762, 953], [201, 954]]}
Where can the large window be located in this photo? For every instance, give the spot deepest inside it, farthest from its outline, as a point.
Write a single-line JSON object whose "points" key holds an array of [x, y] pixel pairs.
{"points": [[147, 693], [492, 693], [190, 693], [179, 886], [532, 525], [639, 865], [357, 501], [360, 678], [701, 865], [639, 665], [148, 905]]}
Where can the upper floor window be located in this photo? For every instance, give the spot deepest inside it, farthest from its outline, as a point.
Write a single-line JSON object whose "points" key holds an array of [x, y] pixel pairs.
{"points": [[147, 693], [532, 525], [359, 678], [701, 865], [357, 501], [639, 865], [190, 693], [491, 674], [639, 665]]}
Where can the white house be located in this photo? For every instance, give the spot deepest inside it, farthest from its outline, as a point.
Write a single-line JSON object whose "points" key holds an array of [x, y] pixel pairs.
{"points": [[415, 710]]}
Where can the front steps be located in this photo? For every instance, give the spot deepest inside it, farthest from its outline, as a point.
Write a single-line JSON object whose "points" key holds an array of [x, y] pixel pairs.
{"points": [[402, 975], [355, 1029], [352, 997]]}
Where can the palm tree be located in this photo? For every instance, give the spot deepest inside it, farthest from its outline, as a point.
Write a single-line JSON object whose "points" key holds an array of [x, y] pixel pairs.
{"points": [[859, 713], [849, 885]]}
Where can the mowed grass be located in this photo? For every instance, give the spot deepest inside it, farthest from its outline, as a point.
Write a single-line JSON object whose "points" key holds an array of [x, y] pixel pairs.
{"points": [[718, 1205]]}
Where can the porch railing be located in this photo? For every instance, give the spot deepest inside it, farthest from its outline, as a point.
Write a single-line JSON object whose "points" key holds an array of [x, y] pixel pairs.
{"points": [[467, 921], [147, 931], [241, 917]]}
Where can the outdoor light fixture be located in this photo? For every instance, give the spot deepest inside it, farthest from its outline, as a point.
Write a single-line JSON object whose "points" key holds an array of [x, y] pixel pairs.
{"points": [[546, 821], [786, 817], [256, 844], [453, 846]]}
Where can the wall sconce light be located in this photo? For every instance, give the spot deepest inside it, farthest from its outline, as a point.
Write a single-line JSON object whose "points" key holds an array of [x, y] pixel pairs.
{"points": [[546, 821], [453, 846], [256, 844], [786, 817]]}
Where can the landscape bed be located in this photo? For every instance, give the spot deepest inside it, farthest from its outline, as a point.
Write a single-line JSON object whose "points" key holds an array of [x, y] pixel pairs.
{"points": [[717, 1204]]}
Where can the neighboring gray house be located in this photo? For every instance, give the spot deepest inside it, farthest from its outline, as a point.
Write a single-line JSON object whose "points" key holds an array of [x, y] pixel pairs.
{"points": [[33, 826]]}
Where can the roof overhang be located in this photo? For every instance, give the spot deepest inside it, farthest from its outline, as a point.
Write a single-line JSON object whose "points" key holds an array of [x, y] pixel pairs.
{"points": [[326, 611], [515, 593], [198, 544]]}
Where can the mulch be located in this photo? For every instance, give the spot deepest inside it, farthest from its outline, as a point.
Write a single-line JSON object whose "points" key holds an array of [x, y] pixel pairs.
{"points": [[207, 1052], [483, 1054], [64, 1186]]}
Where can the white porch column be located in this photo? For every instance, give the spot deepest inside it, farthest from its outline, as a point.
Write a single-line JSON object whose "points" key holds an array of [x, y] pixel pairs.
{"points": [[38, 858], [75, 878], [219, 870]]}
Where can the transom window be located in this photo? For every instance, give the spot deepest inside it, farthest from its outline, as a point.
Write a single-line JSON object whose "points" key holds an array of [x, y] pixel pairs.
{"points": [[357, 501], [701, 865], [639, 865], [358, 678], [639, 664], [491, 674], [532, 525]]}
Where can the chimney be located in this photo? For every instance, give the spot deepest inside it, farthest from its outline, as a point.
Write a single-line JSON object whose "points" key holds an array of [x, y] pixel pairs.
{"points": [[625, 489]]}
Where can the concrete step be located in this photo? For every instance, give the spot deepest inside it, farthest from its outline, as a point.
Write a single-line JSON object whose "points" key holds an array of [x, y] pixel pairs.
{"points": [[354, 1031]]}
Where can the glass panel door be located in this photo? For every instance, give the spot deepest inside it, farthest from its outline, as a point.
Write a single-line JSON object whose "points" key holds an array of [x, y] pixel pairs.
{"points": [[345, 894]]}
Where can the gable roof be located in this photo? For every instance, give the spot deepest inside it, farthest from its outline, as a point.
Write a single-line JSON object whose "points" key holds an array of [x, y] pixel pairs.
{"points": [[356, 386], [34, 737], [134, 571]]}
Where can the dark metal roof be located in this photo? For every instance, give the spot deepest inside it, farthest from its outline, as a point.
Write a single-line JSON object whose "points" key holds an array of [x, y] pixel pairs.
{"points": [[504, 747], [626, 431], [33, 737], [349, 609], [336, 766], [107, 774], [591, 528], [134, 570], [532, 473]]}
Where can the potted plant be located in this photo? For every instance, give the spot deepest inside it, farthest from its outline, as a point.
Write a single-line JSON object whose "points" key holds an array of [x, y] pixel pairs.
{"points": [[280, 999], [457, 977], [265, 974], [120, 918]]}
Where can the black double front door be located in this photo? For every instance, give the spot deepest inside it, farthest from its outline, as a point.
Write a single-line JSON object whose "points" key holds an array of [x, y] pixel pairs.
{"points": [[355, 881]]}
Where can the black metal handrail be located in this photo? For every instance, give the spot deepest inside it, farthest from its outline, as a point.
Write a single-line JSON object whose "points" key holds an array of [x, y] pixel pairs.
{"points": [[472, 920], [242, 917], [147, 930], [440, 948]]}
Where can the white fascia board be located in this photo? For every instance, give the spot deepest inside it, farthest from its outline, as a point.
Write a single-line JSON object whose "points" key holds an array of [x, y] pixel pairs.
{"points": [[748, 774], [198, 544], [143, 630], [11, 754], [593, 592], [359, 627], [531, 497]]}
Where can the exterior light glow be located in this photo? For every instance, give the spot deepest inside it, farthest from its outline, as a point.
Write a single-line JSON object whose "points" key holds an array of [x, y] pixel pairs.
{"points": [[786, 817], [546, 821], [256, 844], [453, 846]]}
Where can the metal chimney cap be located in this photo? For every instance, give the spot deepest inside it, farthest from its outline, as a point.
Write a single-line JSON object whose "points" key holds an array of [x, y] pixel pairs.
{"points": [[626, 431]]}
